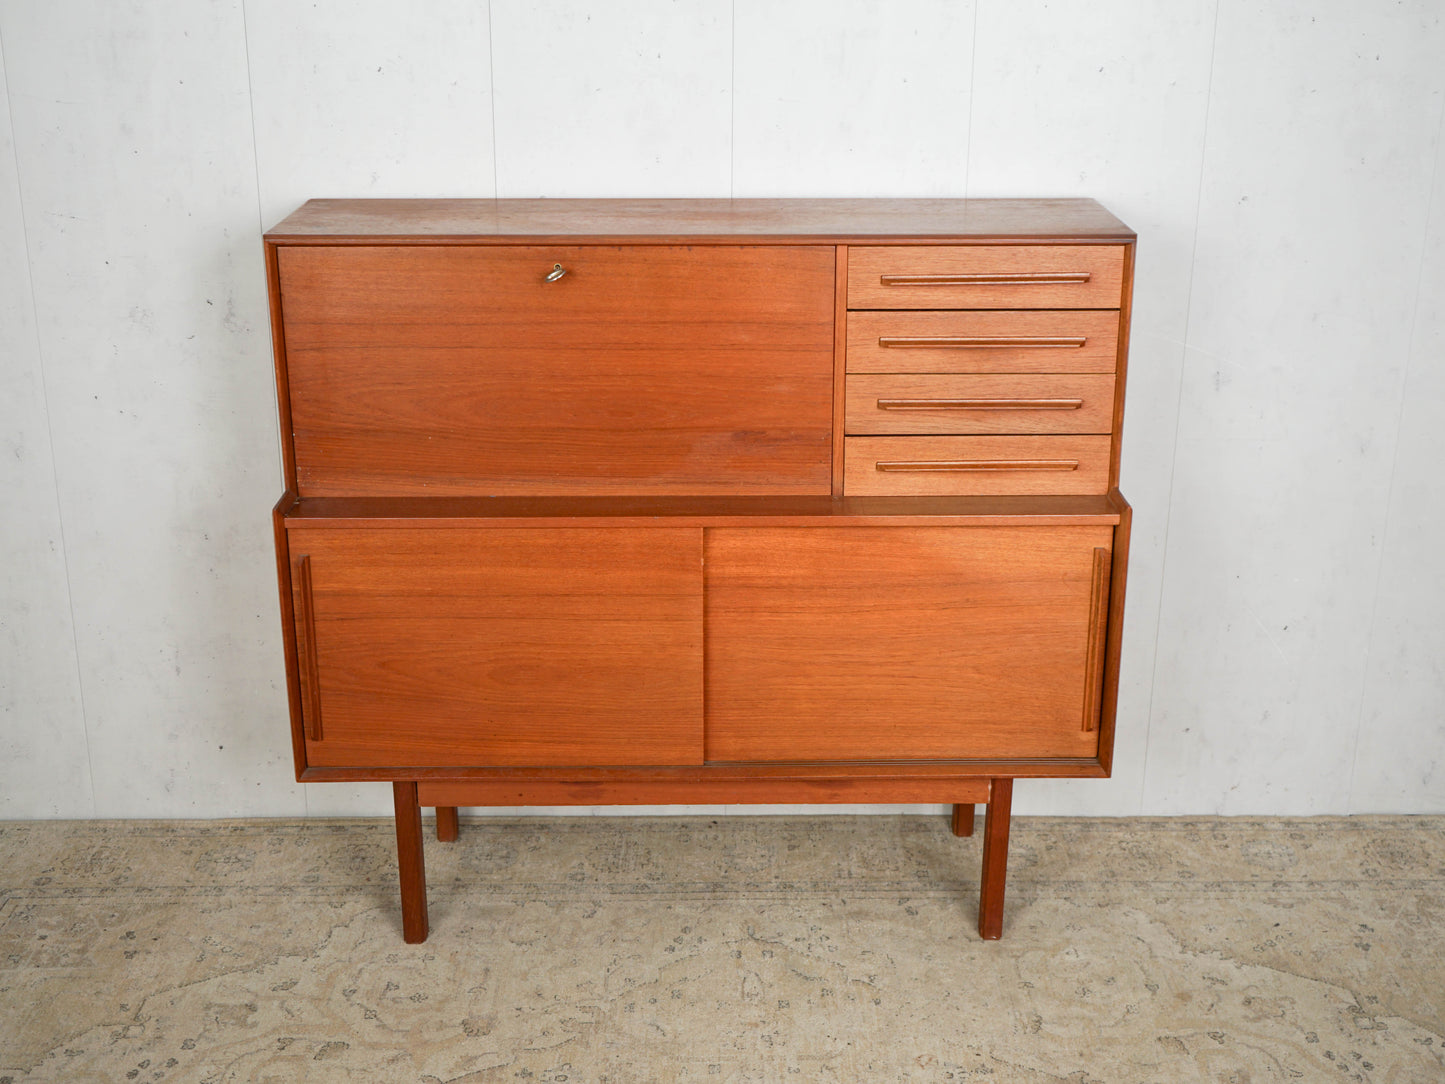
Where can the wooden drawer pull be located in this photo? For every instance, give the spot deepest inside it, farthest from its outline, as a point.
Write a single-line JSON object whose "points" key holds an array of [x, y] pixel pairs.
{"points": [[981, 342], [1022, 278], [1098, 625], [980, 464], [312, 712], [980, 404]]}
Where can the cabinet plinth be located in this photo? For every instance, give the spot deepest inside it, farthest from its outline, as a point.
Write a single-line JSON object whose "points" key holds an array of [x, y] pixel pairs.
{"points": [[686, 501]]}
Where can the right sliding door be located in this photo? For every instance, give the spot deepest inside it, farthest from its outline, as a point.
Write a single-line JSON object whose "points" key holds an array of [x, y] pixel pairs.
{"points": [[904, 643]]}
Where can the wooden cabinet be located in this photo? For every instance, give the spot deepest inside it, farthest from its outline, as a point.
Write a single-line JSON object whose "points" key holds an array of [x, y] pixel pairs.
{"points": [[595, 502]]}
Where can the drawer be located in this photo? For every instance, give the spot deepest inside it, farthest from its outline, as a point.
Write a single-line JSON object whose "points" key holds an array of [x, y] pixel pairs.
{"points": [[983, 342], [973, 403], [643, 369], [985, 277], [895, 643], [968, 466]]}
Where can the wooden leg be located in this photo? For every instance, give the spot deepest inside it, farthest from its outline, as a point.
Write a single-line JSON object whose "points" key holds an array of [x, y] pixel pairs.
{"points": [[410, 863], [963, 820], [447, 827], [995, 860]]}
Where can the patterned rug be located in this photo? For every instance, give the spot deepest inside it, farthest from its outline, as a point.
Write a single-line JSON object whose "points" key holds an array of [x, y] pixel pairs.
{"points": [[737, 949]]}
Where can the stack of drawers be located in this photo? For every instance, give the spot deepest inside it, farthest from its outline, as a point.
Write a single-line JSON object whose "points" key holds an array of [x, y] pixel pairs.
{"points": [[986, 369]]}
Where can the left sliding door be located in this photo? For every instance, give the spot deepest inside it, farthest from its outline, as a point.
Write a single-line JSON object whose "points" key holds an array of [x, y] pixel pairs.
{"points": [[446, 647]]}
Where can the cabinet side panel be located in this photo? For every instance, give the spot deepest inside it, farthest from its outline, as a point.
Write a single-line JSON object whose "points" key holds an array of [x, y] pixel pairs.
{"points": [[506, 647], [1121, 366], [1114, 644], [283, 380], [288, 630], [639, 370], [898, 643]]}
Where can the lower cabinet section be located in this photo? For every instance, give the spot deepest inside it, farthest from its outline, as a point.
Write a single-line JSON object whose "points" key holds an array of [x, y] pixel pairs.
{"points": [[451, 647], [502, 647], [647, 658], [898, 643]]}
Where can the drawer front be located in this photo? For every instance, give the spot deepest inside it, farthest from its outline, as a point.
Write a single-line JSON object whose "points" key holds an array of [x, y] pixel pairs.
{"points": [[894, 643], [985, 277], [972, 403], [983, 342], [460, 370], [970, 466], [426, 647]]}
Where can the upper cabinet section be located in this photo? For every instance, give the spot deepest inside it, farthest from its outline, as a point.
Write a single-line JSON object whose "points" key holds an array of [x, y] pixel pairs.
{"points": [[671, 348], [424, 370]]}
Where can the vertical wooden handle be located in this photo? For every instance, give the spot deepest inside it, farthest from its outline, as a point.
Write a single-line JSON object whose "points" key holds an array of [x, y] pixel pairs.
{"points": [[1098, 626], [311, 712]]}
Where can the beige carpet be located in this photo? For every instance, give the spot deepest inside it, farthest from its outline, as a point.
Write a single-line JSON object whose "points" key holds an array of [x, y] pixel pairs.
{"points": [[742, 949]]}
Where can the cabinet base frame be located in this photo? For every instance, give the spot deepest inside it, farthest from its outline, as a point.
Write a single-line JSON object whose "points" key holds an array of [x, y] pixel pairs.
{"points": [[995, 794]]}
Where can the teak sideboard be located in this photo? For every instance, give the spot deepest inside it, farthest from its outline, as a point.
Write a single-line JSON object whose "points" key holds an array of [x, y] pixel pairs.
{"points": [[700, 501]]}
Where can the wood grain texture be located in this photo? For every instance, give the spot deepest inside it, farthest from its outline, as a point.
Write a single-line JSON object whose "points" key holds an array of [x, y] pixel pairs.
{"points": [[448, 827], [707, 787], [411, 862], [1113, 644], [994, 877], [1098, 629], [643, 370], [971, 403], [283, 508], [283, 380], [985, 465], [619, 779], [897, 643], [1121, 368], [604, 513], [840, 361], [306, 627], [507, 647], [1001, 269], [994, 337], [652, 220], [961, 822]]}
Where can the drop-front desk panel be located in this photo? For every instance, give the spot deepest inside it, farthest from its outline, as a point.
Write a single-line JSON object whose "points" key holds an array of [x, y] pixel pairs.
{"points": [[687, 501]]}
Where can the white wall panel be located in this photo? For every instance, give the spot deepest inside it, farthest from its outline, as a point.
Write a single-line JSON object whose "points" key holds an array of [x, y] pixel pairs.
{"points": [[44, 760], [133, 136], [855, 99], [1289, 452], [369, 99], [1315, 191], [1400, 758], [1109, 100], [608, 99]]}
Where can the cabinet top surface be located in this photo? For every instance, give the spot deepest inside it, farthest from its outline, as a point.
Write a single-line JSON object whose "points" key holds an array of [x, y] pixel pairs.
{"points": [[767, 220]]}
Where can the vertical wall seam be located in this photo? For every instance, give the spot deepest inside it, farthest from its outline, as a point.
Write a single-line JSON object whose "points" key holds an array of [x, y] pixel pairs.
{"points": [[261, 224], [492, 98], [251, 109], [49, 431], [1395, 453], [972, 84], [1179, 407], [260, 233]]}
